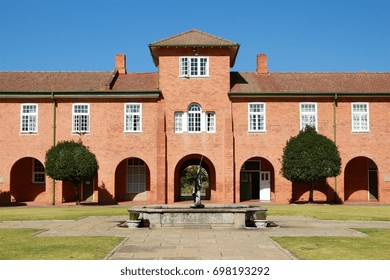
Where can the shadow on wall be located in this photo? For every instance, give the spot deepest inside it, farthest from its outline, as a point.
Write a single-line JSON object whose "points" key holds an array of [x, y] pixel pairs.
{"points": [[104, 196], [323, 193]]}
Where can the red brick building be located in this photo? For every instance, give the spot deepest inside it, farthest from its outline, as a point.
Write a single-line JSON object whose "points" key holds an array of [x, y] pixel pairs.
{"points": [[145, 128]]}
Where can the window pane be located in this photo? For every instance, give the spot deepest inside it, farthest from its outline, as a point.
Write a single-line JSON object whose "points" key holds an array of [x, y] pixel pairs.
{"points": [[194, 67]]}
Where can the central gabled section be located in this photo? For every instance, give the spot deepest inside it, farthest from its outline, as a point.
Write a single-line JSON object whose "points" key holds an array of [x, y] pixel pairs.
{"points": [[196, 42]]}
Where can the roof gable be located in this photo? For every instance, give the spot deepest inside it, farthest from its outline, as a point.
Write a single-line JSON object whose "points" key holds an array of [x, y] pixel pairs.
{"points": [[193, 38]]}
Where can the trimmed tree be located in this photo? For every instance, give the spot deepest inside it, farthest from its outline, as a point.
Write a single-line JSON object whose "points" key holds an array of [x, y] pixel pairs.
{"points": [[310, 156], [71, 161]]}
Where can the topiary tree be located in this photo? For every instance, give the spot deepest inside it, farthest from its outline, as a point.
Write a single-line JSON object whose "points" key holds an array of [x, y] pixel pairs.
{"points": [[71, 161], [310, 156]]}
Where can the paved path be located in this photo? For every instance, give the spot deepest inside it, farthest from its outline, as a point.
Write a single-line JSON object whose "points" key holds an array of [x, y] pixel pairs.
{"points": [[201, 242]]}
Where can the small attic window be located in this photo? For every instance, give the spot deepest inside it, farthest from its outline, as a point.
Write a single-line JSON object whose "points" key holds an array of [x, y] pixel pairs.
{"points": [[194, 66]]}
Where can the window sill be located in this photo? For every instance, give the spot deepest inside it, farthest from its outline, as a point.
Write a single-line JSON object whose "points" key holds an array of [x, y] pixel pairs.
{"points": [[132, 132], [257, 131], [28, 133], [360, 132]]}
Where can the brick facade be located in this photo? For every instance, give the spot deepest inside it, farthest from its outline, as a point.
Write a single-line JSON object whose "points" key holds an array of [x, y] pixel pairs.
{"points": [[241, 165]]}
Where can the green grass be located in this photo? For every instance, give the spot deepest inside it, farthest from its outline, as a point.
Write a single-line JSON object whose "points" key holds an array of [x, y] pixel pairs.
{"points": [[23, 213], [374, 247], [21, 244], [333, 212]]}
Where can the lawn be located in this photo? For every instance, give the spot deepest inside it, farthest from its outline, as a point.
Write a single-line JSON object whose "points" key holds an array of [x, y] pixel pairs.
{"points": [[22, 213], [333, 212], [22, 244], [374, 247]]}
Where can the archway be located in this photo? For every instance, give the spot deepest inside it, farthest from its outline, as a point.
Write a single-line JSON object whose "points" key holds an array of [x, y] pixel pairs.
{"points": [[184, 170], [132, 180], [28, 179], [361, 180], [257, 179]]}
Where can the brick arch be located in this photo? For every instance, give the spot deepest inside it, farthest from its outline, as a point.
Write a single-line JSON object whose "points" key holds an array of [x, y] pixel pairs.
{"points": [[27, 180], [361, 180], [121, 174], [250, 176], [194, 159]]}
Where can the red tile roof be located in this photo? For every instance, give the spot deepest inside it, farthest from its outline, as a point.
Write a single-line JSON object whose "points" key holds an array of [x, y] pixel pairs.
{"points": [[53, 81], [307, 82], [193, 38], [75, 82], [136, 81]]}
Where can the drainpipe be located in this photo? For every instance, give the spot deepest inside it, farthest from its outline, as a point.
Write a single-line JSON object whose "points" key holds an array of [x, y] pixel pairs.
{"points": [[335, 133], [53, 198]]}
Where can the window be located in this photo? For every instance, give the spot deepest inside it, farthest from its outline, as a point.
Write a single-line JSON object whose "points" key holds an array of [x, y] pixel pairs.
{"points": [[136, 179], [308, 112], [256, 117], [133, 117], [360, 117], [29, 118], [194, 66], [80, 118], [38, 172], [195, 120]]}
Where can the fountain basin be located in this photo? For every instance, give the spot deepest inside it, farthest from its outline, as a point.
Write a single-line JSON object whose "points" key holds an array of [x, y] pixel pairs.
{"points": [[227, 215]]}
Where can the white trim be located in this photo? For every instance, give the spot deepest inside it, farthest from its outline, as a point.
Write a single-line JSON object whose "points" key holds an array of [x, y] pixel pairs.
{"points": [[186, 61], [360, 114], [301, 114], [256, 114], [87, 114], [30, 119], [132, 114]]}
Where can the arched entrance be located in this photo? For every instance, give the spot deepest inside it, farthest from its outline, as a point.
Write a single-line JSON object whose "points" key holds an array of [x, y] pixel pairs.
{"points": [[186, 170], [361, 180], [132, 180], [257, 179], [28, 179]]}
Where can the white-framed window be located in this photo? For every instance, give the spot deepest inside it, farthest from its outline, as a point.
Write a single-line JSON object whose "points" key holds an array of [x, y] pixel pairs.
{"points": [[136, 175], [360, 117], [179, 124], [308, 115], [80, 118], [29, 118], [256, 117], [194, 66], [133, 117], [210, 122], [195, 120], [38, 172]]}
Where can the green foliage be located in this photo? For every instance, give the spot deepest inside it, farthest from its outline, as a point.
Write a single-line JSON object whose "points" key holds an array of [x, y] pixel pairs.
{"points": [[188, 176], [310, 156], [71, 161]]}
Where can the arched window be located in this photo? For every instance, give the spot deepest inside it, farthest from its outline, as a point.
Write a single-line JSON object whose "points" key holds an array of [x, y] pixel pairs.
{"points": [[194, 118]]}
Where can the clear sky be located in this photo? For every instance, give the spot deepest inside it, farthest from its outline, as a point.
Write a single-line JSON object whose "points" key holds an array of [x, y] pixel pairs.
{"points": [[298, 36]]}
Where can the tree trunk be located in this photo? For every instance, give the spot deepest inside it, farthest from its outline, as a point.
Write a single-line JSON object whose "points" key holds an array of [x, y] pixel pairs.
{"points": [[77, 194], [311, 192]]}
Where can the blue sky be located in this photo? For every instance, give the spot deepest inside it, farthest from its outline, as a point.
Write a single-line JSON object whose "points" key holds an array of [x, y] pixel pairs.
{"points": [[298, 36]]}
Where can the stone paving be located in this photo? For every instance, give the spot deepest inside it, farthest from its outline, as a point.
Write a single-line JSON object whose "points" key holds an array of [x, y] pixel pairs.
{"points": [[197, 242]]}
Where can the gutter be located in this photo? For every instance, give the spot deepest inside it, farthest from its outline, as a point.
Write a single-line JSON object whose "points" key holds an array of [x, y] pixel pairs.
{"points": [[305, 94], [73, 94], [53, 192]]}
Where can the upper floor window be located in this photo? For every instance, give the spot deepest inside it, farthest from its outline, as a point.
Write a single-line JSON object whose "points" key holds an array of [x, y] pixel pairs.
{"points": [[360, 117], [195, 120], [80, 118], [308, 115], [194, 66], [133, 117], [29, 118], [256, 117]]}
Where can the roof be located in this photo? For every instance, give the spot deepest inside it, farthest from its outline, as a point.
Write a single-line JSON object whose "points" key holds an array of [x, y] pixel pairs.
{"points": [[251, 83], [53, 81], [194, 38], [77, 82]]}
